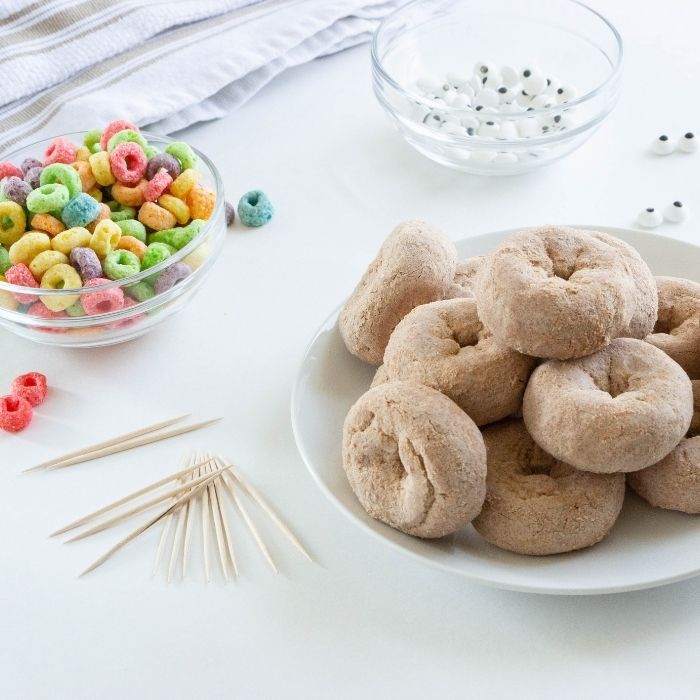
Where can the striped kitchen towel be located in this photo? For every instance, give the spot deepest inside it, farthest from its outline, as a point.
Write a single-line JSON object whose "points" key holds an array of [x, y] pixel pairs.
{"points": [[68, 65]]}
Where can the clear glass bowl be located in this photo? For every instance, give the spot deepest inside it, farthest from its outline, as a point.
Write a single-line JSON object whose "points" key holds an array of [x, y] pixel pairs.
{"points": [[125, 324], [439, 37]]}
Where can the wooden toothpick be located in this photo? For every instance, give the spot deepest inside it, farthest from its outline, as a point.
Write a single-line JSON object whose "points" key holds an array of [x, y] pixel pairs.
{"points": [[224, 521], [218, 527], [107, 443], [142, 528], [122, 447]]}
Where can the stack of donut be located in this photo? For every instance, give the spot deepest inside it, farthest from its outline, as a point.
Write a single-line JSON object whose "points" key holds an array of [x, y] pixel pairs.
{"points": [[519, 391]]}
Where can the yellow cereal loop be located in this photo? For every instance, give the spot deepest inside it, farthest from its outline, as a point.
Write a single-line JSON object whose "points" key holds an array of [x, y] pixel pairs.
{"points": [[28, 247], [47, 223], [77, 237], [176, 207], [87, 179], [61, 276], [44, 261], [83, 153], [96, 193], [197, 257], [99, 162], [7, 300], [105, 237], [184, 182], [13, 222]]}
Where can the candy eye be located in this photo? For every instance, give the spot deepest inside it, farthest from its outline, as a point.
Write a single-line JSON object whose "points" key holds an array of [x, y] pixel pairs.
{"points": [[688, 143], [676, 212], [663, 145], [649, 218]]}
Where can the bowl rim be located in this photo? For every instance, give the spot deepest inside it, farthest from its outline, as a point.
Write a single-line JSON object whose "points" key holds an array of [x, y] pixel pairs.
{"points": [[378, 68], [133, 279]]}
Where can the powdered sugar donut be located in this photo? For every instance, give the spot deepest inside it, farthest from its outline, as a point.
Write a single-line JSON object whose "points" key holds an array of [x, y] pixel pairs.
{"points": [[536, 504], [677, 330], [674, 482], [555, 292], [465, 277], [415, 265], [414, 459], [381, 376], [444, 345], [622, 409]]}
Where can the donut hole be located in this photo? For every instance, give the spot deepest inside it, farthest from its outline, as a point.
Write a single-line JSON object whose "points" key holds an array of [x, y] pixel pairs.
{"points": [[465, 338]]}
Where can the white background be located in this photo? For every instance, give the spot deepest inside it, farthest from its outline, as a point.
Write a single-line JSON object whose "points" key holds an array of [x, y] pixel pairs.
{"points": [[363, 621]]}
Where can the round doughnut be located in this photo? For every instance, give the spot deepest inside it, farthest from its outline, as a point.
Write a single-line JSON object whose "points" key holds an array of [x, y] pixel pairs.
{"points": [[677, 330], [444, 345], [381, 376], [465, 277], [414, 459], [674, 482], [622, 409], [415, 265], [555, 292], [536, 504], [647, 298]]}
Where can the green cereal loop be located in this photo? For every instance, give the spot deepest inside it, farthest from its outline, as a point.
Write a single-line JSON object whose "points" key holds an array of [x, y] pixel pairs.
{"points": [[179, 236], [141, 291], [48, 198], [5, 263], [126, 135], [120, 212], [95, 148], [75, 309], [3, 196], [151, 151], [120, 264], [184, 153], [63, 175], [91, 138], [156, 253], [132, 227]]}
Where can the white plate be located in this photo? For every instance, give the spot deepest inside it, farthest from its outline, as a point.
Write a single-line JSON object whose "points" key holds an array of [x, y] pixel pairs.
{"points": [[647, 547]]}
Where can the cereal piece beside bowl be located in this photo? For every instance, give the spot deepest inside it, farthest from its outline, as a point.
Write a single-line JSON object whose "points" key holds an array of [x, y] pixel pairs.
{"points": [[83, 264]]}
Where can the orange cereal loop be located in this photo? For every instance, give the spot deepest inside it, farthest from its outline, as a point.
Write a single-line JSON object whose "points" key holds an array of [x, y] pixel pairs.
{"points": [[201, 202], [176, 207], [47, 223], [133, 245], [184, 182], [87, 179], [155, 216], [129, 196], [83, 153], [104, 214]]}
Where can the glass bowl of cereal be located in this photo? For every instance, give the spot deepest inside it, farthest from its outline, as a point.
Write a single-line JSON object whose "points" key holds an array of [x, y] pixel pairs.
{"points": [[87, 259]]}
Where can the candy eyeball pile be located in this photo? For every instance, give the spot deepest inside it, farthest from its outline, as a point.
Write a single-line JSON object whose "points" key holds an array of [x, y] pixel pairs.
{"points": [[465, 104], [103, 210]]}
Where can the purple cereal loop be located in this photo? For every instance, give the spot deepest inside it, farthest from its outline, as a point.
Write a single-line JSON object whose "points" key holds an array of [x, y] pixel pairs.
{"points": [[86, 262], [16, 190], [32, 175], [171, 276], [163, 160], [28, 164], [230, 213]]}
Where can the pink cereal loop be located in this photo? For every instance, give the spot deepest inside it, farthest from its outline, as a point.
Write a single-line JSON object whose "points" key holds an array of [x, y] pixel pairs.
{"points": [[102, 301], [60, 150], [128, 162], [8, 170], [112, 128], [158, 184]]}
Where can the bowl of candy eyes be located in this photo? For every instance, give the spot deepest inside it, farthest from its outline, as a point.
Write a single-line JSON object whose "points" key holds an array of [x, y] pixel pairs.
{"points": [[497, 87], [103, 235]]}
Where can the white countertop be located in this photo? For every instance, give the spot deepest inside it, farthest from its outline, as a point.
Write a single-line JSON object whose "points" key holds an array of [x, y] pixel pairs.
{"points": [[364, 621]]}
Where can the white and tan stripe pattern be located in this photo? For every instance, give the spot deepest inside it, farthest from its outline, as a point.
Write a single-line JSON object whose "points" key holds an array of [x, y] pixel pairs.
{"points": [[67, 65]]}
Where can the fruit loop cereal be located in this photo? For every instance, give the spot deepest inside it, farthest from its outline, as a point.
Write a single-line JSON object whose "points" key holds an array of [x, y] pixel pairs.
{"points": [[27, 390], [83, 215]]}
